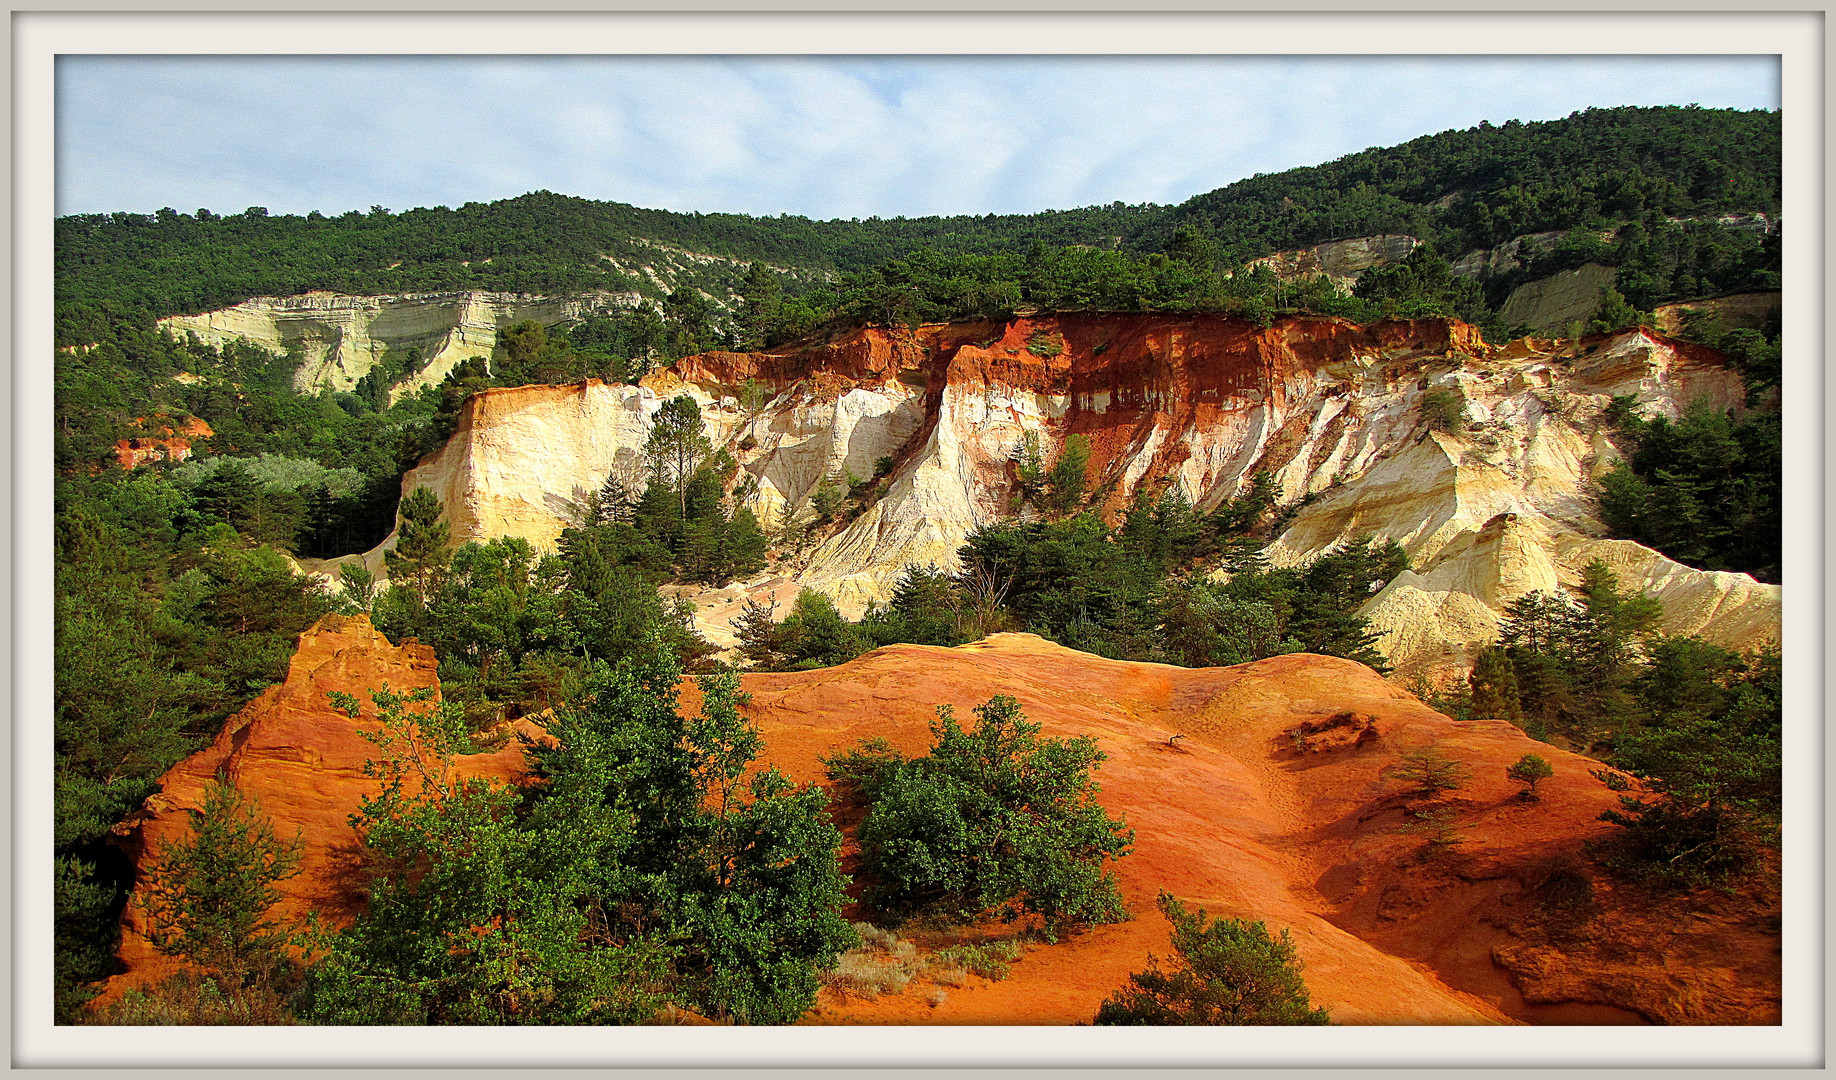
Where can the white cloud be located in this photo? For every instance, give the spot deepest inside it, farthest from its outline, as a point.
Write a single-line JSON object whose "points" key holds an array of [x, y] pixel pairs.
{"points": [[821, 136]]}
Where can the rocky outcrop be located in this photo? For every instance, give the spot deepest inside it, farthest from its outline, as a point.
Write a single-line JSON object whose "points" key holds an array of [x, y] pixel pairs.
{"points": [[1550, 304], [1260, 791], [303, 762], [1341, 262], [164, 439], [1738, 310], [1489, 508], [339, 339]]}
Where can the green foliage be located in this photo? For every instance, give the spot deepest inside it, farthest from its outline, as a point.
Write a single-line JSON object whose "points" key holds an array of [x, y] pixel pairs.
{"points": [[1614, 313], [476, 914], [1492, 687], [1066, 482], [1529, 770], [813, 635], [207, 896], [423, 542], [652, 864], [1225, 971], [742, 865], [992, 820], [1705, 490], [1708, 758], [677, 446], [1571, 662], [1431, 771], [991, 960], [826, 498], [1445, 409], [161, 634], [1630, 164], [1422, 284], [1203, 624], [359, 587], [1045, 344]]}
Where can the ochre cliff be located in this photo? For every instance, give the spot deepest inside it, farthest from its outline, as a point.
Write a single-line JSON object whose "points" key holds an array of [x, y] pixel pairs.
{"points": [[1256, 791], [1487, 509]]}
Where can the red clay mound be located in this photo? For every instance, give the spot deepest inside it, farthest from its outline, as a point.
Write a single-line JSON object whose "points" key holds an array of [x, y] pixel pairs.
{"points": [[303, 761], [1256, 791]]}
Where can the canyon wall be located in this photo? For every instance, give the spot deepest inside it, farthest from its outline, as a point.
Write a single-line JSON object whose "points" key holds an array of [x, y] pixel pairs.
{"points": [[1488, 507], [339, 339]]}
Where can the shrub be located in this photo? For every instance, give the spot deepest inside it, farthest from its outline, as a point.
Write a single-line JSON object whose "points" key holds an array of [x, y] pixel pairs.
{"points": [[993, 820], [1045, 344], [207, 896], [1444, 409], [990, 960], [1227, 971], [1529, 769], [1431, 771]]}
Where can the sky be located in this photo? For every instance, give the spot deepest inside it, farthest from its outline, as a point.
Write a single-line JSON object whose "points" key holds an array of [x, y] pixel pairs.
{"points": [[820, 136]]}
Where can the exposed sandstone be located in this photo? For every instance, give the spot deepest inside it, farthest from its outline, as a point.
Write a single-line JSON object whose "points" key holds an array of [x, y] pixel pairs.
{"points": [[1750, 310], [1341, 262], [1550, 304], [1332, 410], [164, 439], [340, 338]]}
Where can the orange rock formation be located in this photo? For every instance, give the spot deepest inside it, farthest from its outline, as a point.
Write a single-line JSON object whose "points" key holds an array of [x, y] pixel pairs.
{"points": [[1257, 791], [163, 442]]}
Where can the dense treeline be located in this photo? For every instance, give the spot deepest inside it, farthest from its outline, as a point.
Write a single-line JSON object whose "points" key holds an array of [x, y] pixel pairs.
{"points": [[1459, 190], [1463, 190], [170, 262], [1141, 590]]}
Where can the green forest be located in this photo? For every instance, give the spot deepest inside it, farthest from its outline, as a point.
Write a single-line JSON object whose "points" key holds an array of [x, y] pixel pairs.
{"points": [[176, 602]]}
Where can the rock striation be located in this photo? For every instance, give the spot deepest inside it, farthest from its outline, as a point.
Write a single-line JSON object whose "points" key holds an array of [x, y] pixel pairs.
{"points": [[339, 339], [1260, 791], [1489, 507]]}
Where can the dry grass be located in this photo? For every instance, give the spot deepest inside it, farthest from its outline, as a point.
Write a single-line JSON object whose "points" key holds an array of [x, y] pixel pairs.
{"points": [[885, 963]]}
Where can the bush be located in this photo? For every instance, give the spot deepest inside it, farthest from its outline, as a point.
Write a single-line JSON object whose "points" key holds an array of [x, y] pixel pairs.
{"points": [[1444, 409], [1226, 972], [1045, 344], [1431, 771], [207, 897], [1529, 769], [994, 820], [990, 960]]}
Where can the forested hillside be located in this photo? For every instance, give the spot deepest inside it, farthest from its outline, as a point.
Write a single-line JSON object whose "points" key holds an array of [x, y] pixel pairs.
{"points": [[1459, 190]]}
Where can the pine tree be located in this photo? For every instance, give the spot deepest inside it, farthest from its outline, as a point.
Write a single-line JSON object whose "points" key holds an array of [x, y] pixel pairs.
{"points": [[677, 446]]}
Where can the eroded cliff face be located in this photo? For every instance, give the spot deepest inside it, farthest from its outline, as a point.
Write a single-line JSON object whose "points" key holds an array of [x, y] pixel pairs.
{"points": [[339, 339], [1488, 509], [1258, 791], [1341, 262]]}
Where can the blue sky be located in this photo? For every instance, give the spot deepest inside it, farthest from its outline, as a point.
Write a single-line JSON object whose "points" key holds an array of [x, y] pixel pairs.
{"points": [[819, 136]]}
